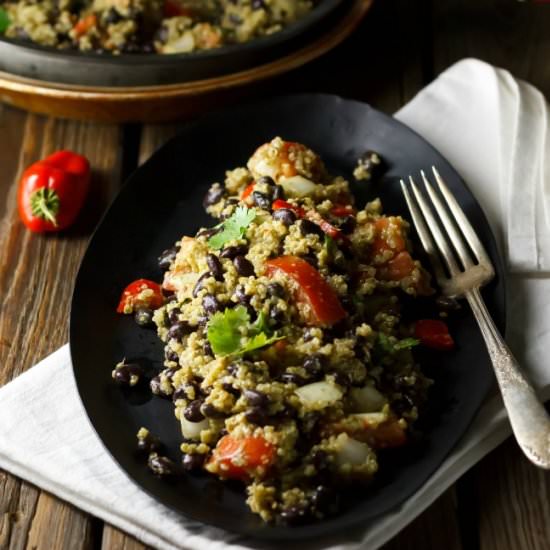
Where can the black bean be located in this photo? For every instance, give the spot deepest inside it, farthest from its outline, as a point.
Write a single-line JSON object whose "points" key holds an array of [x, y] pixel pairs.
{"points": [[207, 233], [372, 163], [275, 290], [200, 283], [285, 216], [324, 500], [256, 415], [171, 355], [231, 251], [311, 259], [308, 335], [203, 320], [295, 515], [178, 330], [266, 180], [292, 378], [241, 296], [276, 316], [320, 460], [193, 411], [192, 462], [149, 443], [125, 373], [144, 317], [161, 465], [210, 411], [229, 388], [257, 398], [213, 195], [313, 364], [233, 369], [180, 393], [308, 227], [341, 378], [167, 257], [243, 266], [169, 372], [112, 17], [215, 266], [348, 225], [170, 296], [173, 315], [278, 193], [207, 349], [447, 304], [251, 312], [261, 200], [210, 304]]}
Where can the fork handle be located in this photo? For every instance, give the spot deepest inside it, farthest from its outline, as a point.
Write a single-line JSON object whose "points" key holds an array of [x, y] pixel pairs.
{"points": [[528, 417]]}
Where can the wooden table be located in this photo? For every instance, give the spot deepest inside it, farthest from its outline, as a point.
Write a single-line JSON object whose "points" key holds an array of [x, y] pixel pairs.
{"points": [[503, 503]]}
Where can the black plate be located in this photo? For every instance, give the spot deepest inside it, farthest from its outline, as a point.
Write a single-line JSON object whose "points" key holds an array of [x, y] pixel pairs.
{"points": [[90, 69], [161, 202]]}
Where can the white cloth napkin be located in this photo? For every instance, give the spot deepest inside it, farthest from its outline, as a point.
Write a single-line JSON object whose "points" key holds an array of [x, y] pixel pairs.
{"points": [[493, 130]]}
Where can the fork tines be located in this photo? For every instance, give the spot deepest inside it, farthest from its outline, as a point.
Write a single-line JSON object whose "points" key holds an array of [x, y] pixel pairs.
{"points": [[467, 267]]}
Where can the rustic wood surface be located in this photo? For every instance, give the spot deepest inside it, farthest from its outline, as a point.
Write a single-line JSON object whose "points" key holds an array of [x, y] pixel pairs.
{"points": [[503, 503]]}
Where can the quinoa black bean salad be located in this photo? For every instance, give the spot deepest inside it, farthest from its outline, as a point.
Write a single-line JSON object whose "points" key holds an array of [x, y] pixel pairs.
{"points": [[146, 26], [287, 358]]}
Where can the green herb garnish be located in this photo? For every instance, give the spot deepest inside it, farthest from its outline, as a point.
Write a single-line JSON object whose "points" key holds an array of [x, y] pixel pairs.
{"points": [[231, 333], [233, 228], [4, 21], [330, 246], [390, 345]]}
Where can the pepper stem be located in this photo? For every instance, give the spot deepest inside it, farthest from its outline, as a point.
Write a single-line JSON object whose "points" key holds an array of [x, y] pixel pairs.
{"points": [[45, 204]]}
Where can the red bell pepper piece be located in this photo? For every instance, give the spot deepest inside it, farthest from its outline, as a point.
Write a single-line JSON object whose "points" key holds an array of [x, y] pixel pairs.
{"points": [[142, 293], [323, 305], [434, 334], [332, 231], [248, 191], [51, 191], [280, 204], [342, 210]]}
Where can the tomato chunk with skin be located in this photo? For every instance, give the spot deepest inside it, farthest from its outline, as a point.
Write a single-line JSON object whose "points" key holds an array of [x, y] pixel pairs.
{"points": [[142, 293], [241, 458], [248, 191], [397, 269], [434, 333], [324, 308], [388, 236]]}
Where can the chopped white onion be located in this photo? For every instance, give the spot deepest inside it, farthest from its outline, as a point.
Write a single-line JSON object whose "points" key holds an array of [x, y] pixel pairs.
{"points": [[367, 399], [350, 451], [372, 419], [297, 186], [192, 430], [319, 395]]}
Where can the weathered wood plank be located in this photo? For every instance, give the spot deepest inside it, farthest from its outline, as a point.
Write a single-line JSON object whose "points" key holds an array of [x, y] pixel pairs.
{"points": [[36, 278], [113, 539]]}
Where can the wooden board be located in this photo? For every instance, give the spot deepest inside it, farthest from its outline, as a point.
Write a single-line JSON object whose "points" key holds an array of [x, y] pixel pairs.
{"points": [[167, 102]]}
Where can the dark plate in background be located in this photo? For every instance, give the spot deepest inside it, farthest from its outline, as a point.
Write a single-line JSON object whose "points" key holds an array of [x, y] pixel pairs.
{"points": [[91, 69], [161, 202]]}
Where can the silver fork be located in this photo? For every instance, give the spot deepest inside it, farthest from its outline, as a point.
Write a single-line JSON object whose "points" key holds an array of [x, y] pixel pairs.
{"points": [[467, 275]]}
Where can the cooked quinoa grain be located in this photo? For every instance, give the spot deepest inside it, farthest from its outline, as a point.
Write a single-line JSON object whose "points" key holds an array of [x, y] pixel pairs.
{"points": [[287, 355], [147, 26]]}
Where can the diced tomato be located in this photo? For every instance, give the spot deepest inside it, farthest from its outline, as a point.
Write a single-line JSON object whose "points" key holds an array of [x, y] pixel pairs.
{"points": [[140, 294], [84, 25], [280, 203], [172, 8], [342, 210], [386, 435], [324, 308], [434, 333], [240, 458], [397, 268], [248, 190]]}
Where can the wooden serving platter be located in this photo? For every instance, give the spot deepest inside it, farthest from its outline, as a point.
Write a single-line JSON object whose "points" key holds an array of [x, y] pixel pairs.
{"points": [[166, 102]]}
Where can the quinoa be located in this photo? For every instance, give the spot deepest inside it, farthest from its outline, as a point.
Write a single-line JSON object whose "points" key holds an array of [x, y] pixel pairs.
{"points": [[287, 354], [148, 26]]}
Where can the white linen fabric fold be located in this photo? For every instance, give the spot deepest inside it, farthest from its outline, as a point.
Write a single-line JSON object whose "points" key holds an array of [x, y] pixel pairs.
{"points": [[494, 130]]}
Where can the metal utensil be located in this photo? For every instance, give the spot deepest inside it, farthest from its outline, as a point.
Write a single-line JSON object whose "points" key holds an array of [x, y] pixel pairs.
{"points": [[468, 267]]}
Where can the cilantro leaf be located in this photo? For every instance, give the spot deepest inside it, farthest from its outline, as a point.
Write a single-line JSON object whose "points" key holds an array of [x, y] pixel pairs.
{"points": [[330, 246], [406, 343], [224, 332], [233, 228], [4, 21], [259, 341]]}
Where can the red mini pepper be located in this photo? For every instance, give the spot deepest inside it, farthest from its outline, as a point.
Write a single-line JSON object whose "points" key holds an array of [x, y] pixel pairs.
{"points": [[52, 191]]}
